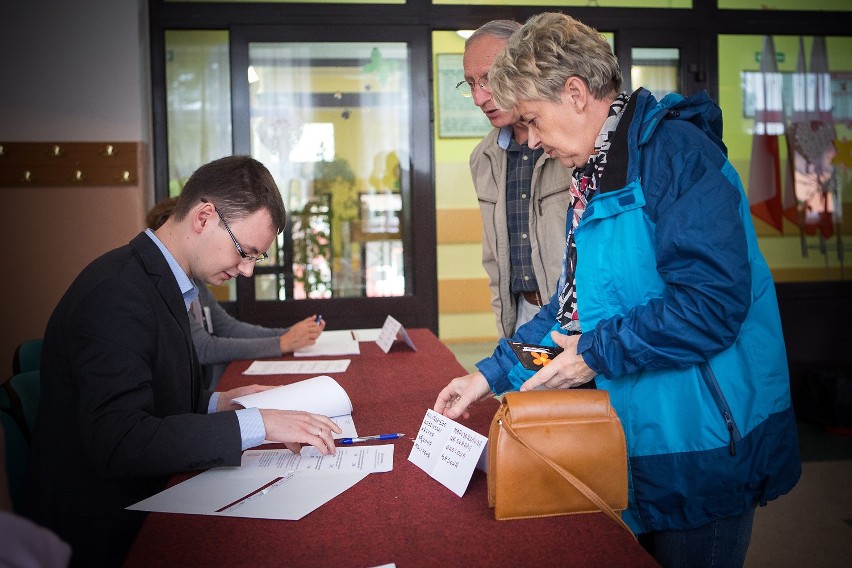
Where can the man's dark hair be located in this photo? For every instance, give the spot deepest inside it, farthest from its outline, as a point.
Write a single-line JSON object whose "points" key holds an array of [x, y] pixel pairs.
{"points": [[238, 186]]}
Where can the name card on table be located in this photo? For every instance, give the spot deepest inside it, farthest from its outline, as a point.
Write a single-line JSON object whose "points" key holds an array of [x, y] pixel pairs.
{"points": [[447, 451], [389, 332]]}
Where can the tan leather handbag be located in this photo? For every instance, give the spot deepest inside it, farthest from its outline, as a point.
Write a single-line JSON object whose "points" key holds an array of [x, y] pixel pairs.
{"points": [[556, 452]]}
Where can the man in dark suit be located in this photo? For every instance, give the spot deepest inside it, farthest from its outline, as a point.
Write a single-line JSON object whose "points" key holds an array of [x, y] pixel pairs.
{"points": [[122, 406]]}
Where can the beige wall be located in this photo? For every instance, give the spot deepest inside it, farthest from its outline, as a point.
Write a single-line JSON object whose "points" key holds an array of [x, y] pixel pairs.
{"points": [[72, 72]]}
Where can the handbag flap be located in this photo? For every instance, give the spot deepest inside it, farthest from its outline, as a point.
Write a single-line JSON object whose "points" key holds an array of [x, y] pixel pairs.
{"points": [[562, 405]]}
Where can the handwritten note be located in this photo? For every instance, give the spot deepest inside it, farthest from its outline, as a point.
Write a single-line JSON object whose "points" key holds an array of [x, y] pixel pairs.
{"points": [[447, 451]]}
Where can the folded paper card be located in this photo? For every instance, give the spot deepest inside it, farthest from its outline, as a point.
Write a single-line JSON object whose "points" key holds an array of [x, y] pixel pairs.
{"points": [[447, 451], [391, 330]]}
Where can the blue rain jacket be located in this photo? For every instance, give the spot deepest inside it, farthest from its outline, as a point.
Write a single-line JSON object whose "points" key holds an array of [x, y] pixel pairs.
{"points": [[680, 321]]}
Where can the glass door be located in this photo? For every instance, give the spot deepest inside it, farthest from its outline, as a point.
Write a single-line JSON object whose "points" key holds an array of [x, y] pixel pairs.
{"points": [[336, 122], [661, 61]]}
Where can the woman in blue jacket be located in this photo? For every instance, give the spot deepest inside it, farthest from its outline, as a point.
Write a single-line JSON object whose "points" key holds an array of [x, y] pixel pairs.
{"points": [[664, 298]]}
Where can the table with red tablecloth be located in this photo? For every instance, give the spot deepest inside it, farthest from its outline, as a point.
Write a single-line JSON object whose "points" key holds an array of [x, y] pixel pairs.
{"points": [[404, 516]]}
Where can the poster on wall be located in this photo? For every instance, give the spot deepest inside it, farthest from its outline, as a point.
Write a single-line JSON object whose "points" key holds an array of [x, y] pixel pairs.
{"points": [[458, 116]]}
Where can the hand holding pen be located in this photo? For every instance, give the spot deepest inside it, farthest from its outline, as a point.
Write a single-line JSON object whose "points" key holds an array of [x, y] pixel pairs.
{"points": [[302, 334]]}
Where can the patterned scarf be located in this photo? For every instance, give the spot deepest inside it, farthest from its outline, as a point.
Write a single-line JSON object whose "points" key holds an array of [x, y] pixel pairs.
{"points": [[583, 188]]}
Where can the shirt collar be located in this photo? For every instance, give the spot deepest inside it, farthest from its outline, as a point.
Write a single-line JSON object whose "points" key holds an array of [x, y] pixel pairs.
{"points": [[187, 287], [505, 137]]}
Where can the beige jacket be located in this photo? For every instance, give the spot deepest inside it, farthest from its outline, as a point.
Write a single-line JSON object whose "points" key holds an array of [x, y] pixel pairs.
{"points": [[549, 203]]}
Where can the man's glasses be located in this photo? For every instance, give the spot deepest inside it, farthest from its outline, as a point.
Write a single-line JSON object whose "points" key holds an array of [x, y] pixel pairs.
{"points": [[465, 88], [261, 256]]}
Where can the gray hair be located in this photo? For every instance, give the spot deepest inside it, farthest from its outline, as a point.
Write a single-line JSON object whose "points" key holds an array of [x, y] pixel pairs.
{"points": [[501, 29], [544, 53]]}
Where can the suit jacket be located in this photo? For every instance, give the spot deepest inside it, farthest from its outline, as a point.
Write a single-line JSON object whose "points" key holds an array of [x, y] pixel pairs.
{"points": [[122, 406]]}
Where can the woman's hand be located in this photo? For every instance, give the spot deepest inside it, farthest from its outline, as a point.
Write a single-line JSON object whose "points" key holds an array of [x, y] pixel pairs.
{"points": [[568, 369], [460, 393]]}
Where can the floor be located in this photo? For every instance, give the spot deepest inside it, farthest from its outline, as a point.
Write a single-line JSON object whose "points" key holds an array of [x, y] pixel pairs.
{"points": [[812, 525]]}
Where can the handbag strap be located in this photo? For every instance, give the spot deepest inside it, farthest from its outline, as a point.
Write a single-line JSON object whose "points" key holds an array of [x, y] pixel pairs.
{"points": [[572, 479]]}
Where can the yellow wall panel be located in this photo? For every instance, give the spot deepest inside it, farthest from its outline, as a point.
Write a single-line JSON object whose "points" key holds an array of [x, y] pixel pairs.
{"points": [[459, 226], [460, 261], [467, 327], [463, 296], [454, 186]]}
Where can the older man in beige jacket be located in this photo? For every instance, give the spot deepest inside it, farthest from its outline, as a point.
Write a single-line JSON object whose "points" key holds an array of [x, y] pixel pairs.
{"points": [[523, 195]]}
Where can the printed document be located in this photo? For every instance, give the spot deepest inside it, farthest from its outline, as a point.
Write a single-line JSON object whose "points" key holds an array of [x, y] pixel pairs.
{"points": [[272, 484]]}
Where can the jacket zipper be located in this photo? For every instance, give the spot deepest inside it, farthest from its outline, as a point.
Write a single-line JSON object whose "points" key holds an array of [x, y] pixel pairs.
{"points": [[716, 392]]}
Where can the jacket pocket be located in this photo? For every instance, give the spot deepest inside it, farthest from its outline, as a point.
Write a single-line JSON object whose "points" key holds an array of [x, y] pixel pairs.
{"points": [[712, 383]]}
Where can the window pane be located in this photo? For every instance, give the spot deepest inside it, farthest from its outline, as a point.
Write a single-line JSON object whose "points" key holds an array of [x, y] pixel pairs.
{"points": [[657, 69], [821, 5], [198, 104], [331, 121], [297, 1], [787, 126], [584, 3]]}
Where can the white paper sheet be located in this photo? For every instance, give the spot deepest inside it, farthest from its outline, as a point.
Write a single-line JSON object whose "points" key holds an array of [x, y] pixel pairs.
{"points": [[339, 342], [297, 367], [272, 484], [371, 334], [319, 395], [447, 451], [290, 497]]}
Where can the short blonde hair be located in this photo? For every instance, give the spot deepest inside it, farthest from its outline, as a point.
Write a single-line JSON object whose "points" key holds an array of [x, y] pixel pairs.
{"points": [[541, 56]]}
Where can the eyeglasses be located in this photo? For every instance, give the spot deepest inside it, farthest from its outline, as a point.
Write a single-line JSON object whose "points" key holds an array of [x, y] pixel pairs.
{"points": [[465, 88], [250, 258]]}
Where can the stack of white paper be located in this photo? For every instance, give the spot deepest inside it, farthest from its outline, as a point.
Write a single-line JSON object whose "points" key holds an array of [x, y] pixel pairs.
{"points": [[319, 395]]}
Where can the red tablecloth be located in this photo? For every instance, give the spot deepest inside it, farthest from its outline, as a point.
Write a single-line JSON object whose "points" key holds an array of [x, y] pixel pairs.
{"points": [[404, 516]]}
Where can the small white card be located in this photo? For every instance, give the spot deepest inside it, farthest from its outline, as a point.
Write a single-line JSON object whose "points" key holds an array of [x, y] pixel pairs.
{"points": [[389, 332], [447, 451]]}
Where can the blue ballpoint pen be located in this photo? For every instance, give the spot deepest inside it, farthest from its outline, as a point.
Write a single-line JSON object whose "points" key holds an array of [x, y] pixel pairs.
{"points": [[319, 318], [368, 438]]}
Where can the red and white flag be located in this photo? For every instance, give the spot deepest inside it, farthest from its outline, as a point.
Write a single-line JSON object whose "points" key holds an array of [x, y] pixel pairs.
{"points": [[764, 180]]}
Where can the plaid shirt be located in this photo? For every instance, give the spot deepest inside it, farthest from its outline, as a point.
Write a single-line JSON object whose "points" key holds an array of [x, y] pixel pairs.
{"points": [[521, 162]]}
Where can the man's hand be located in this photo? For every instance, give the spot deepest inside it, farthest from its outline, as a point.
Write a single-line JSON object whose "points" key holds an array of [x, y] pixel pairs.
{"points": [[301, 334], [296, 428], [568, 369], [460, 393]]}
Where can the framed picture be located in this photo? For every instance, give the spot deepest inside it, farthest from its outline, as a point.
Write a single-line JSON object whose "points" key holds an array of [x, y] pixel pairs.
{"points": [[458, 117]]}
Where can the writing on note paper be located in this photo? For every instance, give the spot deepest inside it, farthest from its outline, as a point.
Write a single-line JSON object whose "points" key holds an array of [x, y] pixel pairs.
{"points": [[447, 451]]}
